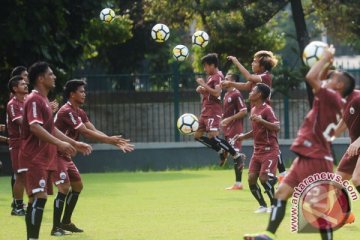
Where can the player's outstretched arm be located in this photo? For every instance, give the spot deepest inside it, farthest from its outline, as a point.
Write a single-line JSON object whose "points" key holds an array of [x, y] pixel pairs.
{"points": [[216, 92], [238, 85], [4, 139], [241, 114], [241, 137], [84, 148], [354, 148], [319, 70], [43, 135], [339, 129], [247, 75]]}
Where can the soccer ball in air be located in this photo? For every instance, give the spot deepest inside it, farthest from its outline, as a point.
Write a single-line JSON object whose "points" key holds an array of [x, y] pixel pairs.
{"points": [[200, 38], [107, 15], [180, 52], [313, 52], [187, 124], [160, 32]]}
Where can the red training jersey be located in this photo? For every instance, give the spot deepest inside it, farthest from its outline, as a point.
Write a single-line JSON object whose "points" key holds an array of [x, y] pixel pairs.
{"points": [[351, 114], [211, 106], [68, 119], [313, 138], [233, 103], [14, 111], [33, 151], [264, 139], [266, 78]]}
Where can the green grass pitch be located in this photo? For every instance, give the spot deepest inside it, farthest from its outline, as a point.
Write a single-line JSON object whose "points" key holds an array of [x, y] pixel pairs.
{"points": [[161, 205]]}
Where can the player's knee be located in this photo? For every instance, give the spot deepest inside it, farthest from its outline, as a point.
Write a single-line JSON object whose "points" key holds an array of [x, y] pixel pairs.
{"points": [[263, 179], [197, 135], [64, 188], [77, 187], [252, 179]]}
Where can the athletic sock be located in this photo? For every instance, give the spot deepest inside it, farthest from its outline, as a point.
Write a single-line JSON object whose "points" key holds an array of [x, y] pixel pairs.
{"points": [[12, 182], [326, 234], [209, 143], [19, 203], [358, 188], [256, 192], [36, 215], [281, 165], [277, 215], [269, 190], [28, 219], [71, 201], [238, 172], [225, 145], [58, 208]]}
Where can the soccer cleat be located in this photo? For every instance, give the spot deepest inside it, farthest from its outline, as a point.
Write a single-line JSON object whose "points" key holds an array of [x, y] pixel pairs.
{"points": [[235, 187], [240, 160], [56, 231], [260, 236], [261, 209], [269, 209], [350, 219], [70, 227], [18, 212], [223, 158]]}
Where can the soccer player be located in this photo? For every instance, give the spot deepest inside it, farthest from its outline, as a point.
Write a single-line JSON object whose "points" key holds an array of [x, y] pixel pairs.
{"points": [[312, 144], [211, 112], [73, 121], [262, 65], [40, 141], [263, 163], [232, 123], [14, 112]]}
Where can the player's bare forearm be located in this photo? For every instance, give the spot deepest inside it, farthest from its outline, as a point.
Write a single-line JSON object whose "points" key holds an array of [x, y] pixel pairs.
{"points": [[247, 135], [63, 137], [216, 92], [91, 126], [339, 129], [239, 115], [270, 126], [242, 86], [43, 135], [4, 139], [94, 135]]}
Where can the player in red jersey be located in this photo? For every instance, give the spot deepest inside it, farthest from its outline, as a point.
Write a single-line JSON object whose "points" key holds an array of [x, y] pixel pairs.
{"points": [[14, 115], [262, 65], [232, 123], [73, 121], [312, 144], [40, 141], [265, 127], [211, 112]]}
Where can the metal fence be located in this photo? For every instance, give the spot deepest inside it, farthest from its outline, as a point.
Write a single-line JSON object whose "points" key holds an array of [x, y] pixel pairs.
{"points": [[145, 107]]}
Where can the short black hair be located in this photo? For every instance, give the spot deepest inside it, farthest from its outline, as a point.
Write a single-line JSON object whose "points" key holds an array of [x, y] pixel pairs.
{"points": [[349, 82], [235, 77], [14, 82], [36, 70], [211, 58], [17, 71], [264, 90], [72, 86]]}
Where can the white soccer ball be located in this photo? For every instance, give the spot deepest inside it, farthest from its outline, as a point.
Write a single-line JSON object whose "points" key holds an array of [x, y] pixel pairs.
{"points": [[187, 124], [180, 52], [313, 52], [107, 15], [160, 32], [200, 38]]}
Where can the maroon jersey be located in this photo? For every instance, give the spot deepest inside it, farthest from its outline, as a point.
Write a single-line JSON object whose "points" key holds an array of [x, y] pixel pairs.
{"points": [[68, 119], [313, 138], [14, 111], [233, 103], [351, 114], [264, 139], [33, 151], [211, 106], [266, 78]]}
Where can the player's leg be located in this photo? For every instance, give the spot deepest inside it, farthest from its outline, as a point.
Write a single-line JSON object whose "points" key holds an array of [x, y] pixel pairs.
{"points": [[356, 175], [72, 198], [12, 182], [199, 135], [267, 175], [238, 171], [254, 169], [18, 193], [36, 188]]}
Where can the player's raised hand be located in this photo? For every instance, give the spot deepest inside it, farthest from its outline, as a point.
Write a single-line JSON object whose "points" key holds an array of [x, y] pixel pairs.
{"points": [[54, 106], [200, 81], [354, 148], [66, 148], [232, 58], [84, 148], [329, 53]]}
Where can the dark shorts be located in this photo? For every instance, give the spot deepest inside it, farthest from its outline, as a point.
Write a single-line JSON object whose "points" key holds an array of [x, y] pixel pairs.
{"points": [[347, 164], [209, 124], [303, 167], [66, 172], [264, 163], [38, 179]]}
